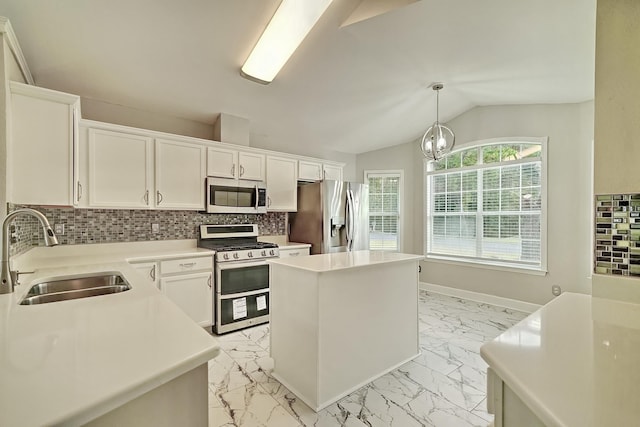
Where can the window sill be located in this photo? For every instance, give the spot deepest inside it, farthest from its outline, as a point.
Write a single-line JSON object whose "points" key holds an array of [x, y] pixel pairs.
{"points": [[487, 265]]}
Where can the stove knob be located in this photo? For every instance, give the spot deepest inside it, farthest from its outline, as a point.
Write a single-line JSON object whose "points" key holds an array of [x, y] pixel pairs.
{"points": [[263, 253], [272, 252], [225, 256], [235, 255], [250, 254]]}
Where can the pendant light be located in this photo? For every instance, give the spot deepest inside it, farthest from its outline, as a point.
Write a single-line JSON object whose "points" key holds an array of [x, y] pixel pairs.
{"points": [[438, 140]]}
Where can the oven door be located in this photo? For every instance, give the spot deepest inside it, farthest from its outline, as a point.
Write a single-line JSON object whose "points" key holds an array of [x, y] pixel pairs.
{"points": [[241, 277]]}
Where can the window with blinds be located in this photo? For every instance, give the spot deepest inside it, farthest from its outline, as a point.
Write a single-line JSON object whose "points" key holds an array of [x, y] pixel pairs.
{"points": [[486, 204], [385, 189]]}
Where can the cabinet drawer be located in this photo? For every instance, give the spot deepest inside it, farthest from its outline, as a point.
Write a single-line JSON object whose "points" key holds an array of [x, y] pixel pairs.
{"points": [[184, 265], [285, 253]]}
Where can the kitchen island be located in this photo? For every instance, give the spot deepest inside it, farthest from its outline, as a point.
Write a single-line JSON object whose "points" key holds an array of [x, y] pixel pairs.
{"points": [[130, 358], [340, 320], [574, 362]]}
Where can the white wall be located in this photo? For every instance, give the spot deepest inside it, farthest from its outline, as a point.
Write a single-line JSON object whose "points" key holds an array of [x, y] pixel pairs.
{"points": [[570, 131]]}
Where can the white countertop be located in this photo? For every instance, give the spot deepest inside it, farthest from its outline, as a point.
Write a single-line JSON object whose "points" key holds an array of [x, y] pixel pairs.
{"points": [[71, 361], [574, 362], [344, 260]]}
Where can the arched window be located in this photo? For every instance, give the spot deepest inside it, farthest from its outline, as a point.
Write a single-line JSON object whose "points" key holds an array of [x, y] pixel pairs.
{"points": [[486, 203]]}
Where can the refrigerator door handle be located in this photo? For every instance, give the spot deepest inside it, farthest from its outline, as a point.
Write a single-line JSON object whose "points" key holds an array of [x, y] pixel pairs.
{"points": [[350, 220]]}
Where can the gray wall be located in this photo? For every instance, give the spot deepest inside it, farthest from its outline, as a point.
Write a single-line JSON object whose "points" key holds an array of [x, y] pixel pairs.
{"points": [[617, 109], [570, 131]]}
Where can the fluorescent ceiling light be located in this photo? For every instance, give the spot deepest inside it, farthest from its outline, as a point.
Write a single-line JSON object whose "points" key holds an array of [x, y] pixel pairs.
{"points": [[289, 26]]}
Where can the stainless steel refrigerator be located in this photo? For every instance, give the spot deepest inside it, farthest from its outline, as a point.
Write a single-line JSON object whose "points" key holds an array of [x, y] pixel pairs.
{"points": [[333, 216]]}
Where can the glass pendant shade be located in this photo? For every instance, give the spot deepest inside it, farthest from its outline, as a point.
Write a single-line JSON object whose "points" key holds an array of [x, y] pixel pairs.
{"points": [[438, 140]]}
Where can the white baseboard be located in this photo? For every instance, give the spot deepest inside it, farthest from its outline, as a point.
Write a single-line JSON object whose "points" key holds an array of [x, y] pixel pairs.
{"points": [[513, 304]]}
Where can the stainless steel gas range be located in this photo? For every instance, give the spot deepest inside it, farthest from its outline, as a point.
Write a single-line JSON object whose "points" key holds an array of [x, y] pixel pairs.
{"points": [[241, 292]]}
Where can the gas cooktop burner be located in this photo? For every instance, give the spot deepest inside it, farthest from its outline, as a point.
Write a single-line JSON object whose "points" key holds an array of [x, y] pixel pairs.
{"points": [[235, 242], [257, 245]]}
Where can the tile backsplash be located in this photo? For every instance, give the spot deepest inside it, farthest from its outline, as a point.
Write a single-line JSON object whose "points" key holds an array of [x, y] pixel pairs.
{"points": [[617, 234], [83, 226]]}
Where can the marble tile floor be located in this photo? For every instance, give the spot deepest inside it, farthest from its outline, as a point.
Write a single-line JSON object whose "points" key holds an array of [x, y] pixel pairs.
{"points": [[445, 386]]}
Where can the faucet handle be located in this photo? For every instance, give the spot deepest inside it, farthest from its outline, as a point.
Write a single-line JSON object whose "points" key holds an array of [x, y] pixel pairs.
{"points": [[15, 275]]}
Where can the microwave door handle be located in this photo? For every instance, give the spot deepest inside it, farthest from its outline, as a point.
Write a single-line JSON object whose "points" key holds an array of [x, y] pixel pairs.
{"points": [[257, 197]]}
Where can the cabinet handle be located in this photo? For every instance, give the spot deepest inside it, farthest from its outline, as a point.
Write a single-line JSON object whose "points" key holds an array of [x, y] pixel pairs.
{"points": [[233, 169], [324, 174], [294, 253], [146, 197], [209, 281], [187, 264], [152, 273], [241, 170], [159, 197], [268, 201], [79, 191]]}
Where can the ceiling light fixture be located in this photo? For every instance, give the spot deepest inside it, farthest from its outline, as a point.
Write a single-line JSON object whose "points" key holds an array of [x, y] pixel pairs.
{"points": [[288, 27], [438, 140]]}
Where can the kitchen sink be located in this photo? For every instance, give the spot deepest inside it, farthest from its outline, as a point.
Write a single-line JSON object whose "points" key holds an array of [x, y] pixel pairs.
{"points": [[75, 287]]}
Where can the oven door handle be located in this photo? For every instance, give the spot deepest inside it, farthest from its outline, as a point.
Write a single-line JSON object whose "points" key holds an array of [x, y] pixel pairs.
{"points": [[239, 264], [243, 294]]}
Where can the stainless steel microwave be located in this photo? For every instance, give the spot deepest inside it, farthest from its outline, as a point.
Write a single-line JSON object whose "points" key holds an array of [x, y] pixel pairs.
{"points": [[233, 196]]}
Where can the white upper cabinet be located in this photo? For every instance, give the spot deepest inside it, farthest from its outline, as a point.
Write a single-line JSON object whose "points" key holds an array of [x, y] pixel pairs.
{"points": [[282, 184], [180, 175], [120, 170], [251, 166], [332, 172], [225, 163], [309, 171], [222, 162], [42, 149]]}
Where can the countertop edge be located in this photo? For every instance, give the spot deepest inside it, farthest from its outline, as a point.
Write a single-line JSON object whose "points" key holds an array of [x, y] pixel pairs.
{"points": [[134, 391], [286, 262], [530, 399]]}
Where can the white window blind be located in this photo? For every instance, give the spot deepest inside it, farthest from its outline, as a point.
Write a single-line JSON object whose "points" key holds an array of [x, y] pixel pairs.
{"points": [[384, 209], [485, 204]]}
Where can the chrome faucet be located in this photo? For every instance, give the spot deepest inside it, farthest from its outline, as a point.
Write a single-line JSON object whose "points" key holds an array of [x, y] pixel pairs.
{"points": [[8, 277]]}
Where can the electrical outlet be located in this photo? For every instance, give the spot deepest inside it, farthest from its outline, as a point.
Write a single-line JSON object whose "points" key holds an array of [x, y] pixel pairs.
{"points": [[155, 228], [59, 229], [556, 290]]}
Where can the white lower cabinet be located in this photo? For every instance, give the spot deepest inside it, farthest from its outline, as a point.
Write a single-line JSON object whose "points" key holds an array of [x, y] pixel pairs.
{"points": [[187, 281], [149, 271], [192, 293]]}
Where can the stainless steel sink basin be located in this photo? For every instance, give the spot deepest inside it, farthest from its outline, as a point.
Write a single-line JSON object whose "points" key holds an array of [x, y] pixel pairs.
{"points": [[76, 287]]}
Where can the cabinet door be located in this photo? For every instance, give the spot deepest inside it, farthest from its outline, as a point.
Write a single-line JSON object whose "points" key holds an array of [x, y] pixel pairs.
{"points": [[119, 170], [309, 171], [282, 184], [149, 270], [180, 175], [332, 172], [251, 166], [192, 293], [222, 163], [43, 146]]}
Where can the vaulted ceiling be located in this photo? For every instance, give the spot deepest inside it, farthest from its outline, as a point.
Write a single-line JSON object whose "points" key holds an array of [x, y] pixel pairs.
{"points": [[351, 88]]}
